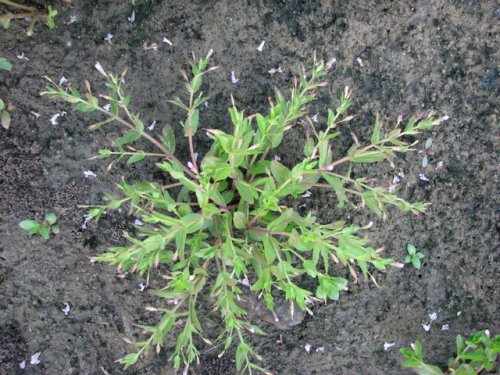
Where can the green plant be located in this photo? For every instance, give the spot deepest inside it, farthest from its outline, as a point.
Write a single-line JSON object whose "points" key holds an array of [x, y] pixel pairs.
{"points": [[4, 113], [44, 229], [413, 256], [26, 11], [476, 354], [223, 227]]}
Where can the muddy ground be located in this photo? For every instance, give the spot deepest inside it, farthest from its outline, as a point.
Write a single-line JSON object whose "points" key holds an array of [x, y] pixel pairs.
{"points": [[399, 57]]}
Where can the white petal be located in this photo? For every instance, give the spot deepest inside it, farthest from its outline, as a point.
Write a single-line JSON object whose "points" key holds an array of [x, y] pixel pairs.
{"points": [[427, 327], [261, 46], [62, 81], [131, 19], [34, 359], [22, 365], [99, 68], [66, 309], [433, 316], [234, 80], [89, 173], [165, 40], [307, 347], [445, 327], [53, 119], [388, 345]]}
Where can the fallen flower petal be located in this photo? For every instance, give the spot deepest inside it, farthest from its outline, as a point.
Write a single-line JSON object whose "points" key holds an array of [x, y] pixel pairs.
{"points": [[131, 19], [422, 177], [53, 119], [89, 173], [307, 347], [138, 222], [261, 46], [66, 308], [72, 19], [445, 327], [234, 80], [427, 327], [152, 126], [165, 40], [108, 37], [307, 194], [34, 359], [321, 349], [22, 365], [275, 70], [142, 286], [62, 81], [388, 345], [433, 316]]}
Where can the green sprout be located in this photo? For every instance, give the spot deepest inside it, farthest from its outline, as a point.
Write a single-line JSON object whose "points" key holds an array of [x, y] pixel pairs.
{"points": [[476, 354], [49, 225], [26, 11], [413, 256], [223, 225]]}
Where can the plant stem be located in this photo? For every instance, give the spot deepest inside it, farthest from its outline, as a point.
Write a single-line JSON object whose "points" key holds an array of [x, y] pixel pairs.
{"points": [[19, 6]]}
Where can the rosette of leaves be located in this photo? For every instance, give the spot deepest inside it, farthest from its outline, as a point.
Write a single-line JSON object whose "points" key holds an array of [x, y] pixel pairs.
{"points": [[477, 354], [223, 219]]}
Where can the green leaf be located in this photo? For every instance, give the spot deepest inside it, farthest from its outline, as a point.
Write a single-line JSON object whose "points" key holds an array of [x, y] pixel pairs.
{"points": [[310, 267], [279, 172], [241, 354], [5, 21], [191, 124], [168, 138], [309, 147], [376, 130], [136, 157], [5, 65], [129, 137], [5, 119], [368, 157], [240, 220], [248, 192], [30, 226], [44, 232], [51, 218], [337, 186], [84, 107], [271, 247], [416, 262], [129, 359], [411, 249], [2, 105], [460, 344]]}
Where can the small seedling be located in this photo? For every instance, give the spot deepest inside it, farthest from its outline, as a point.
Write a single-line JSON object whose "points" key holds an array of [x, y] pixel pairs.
{"points": [[44, 229], [476, 354], [413, 256], [4, 113], [26, 11]]}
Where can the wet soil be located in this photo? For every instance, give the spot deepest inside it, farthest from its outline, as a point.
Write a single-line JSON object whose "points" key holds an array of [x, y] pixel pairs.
{"points": [[399, 57]]}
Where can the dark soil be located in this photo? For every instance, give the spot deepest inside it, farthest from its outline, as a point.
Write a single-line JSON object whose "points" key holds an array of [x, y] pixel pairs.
{"points": [[413, 56]]}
